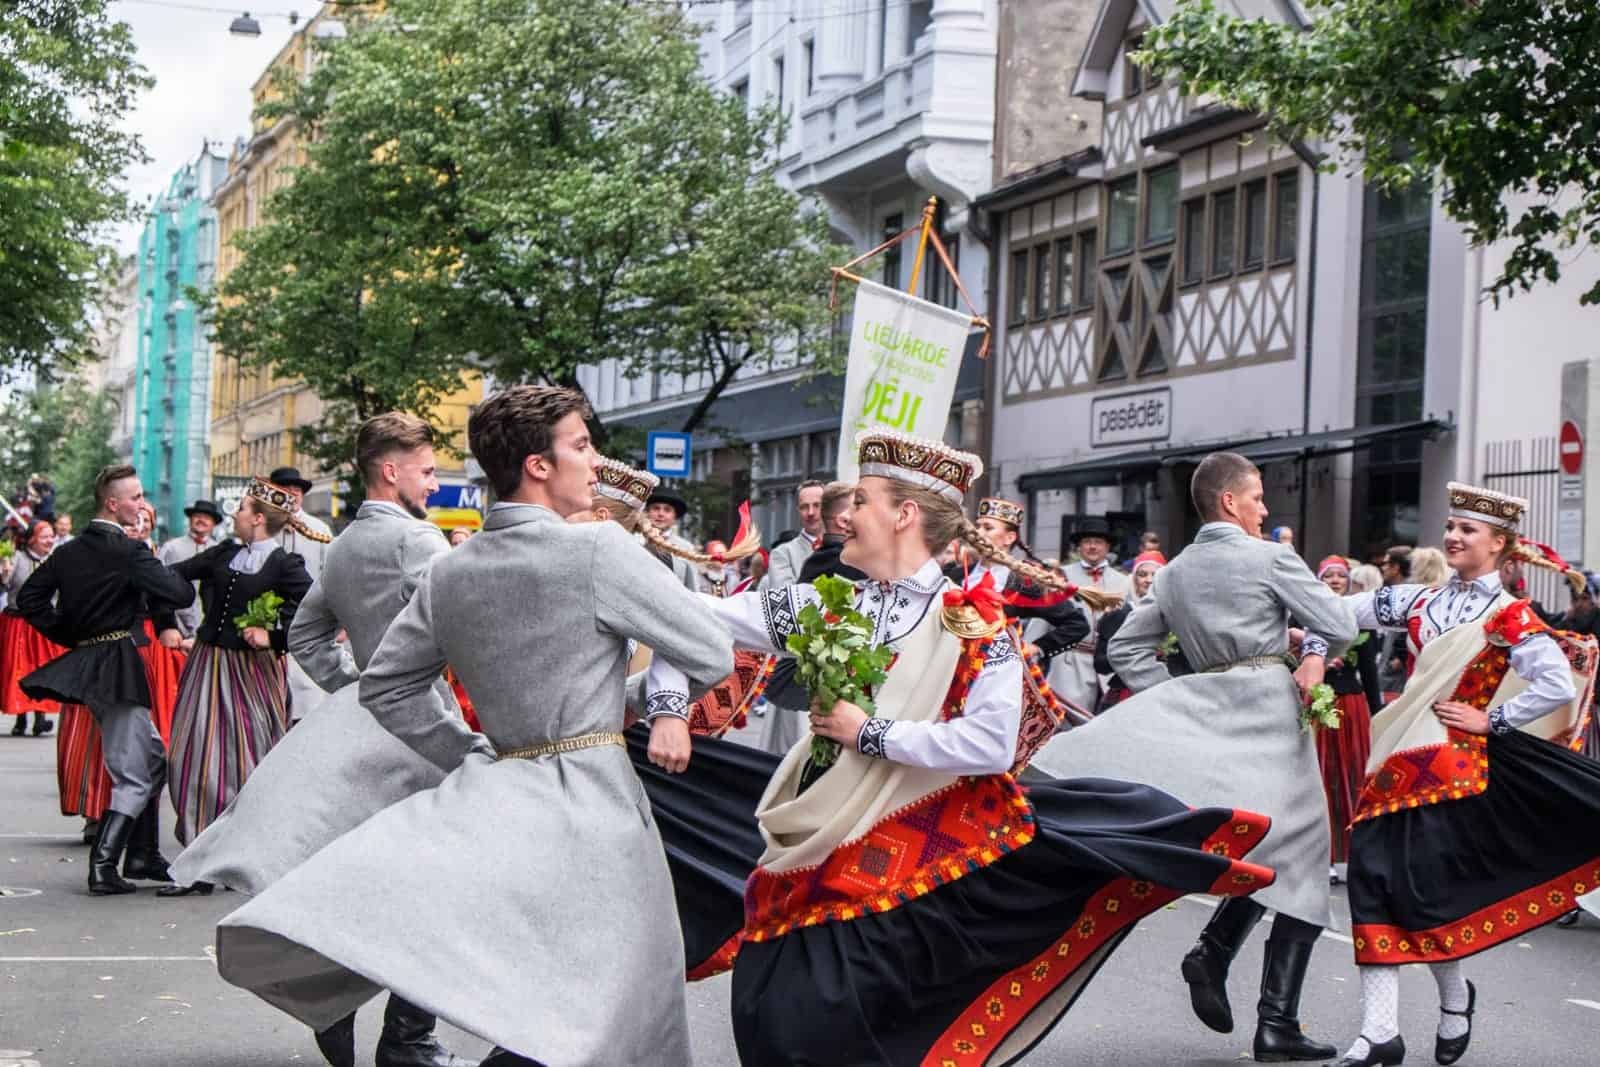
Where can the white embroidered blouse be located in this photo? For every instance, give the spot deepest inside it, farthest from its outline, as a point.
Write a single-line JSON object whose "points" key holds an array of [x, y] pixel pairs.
{"points": [[983, 740], [1536, 659]]}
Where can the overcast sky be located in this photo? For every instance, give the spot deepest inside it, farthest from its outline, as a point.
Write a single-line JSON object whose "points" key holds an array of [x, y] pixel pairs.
{"points": [[203, 76]]}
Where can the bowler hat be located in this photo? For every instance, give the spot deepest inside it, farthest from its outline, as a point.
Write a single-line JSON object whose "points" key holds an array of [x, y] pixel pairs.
{"points": [[678, 504], [203, 507], [289, 478], [1093, 526]]}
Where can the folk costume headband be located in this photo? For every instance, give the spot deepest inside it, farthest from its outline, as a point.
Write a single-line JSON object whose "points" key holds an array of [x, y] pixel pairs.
{"points": [[1486, 505], [622, 483], [1006, 511], [931, 465], [278, 498], [1333, 563], [1152, 557]]}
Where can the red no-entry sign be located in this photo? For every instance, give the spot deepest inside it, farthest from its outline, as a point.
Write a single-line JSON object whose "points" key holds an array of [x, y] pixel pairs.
{"points": [[1571, 448]]}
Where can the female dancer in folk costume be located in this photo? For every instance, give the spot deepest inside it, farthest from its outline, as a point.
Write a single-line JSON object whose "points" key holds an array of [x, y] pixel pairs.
{"points": [[1342, 753], [1143, 576], [22, 648], [1476, 824], [911, 902], [233, 700]]}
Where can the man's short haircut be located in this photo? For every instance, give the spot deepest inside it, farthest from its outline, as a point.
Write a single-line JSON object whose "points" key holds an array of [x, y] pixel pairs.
{"points": [[1400, 556], [809, 483], [516, 423], [836, 496], [383, 435], [1218, 473], [109, 476]]}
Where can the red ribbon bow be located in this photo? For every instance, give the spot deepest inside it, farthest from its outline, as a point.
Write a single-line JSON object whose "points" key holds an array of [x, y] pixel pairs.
{"points": [[983, 597]]}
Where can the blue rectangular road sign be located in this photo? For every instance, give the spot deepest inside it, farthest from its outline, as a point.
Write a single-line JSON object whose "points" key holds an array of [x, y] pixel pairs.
{"points": [[668, 455]]}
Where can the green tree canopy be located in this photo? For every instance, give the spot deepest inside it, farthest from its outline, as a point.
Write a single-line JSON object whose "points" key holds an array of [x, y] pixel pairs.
{"points": [[63, 432], [1500, 100], [525, 187], [67, 78]]}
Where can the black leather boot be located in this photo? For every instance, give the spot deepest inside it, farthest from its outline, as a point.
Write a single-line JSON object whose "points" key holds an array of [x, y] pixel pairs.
{"points": [[338, 1042], [499, 1057], [407, 1039], [20, 728], [1205, 968], [106, 855], [1279, 1038], [144, 859], [41, 725]]}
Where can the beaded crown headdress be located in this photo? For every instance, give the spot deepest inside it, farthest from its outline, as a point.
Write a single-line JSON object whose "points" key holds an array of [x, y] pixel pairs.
{"points": [[918, 461], [625, 484], [1007, 511], [1485, 505], [273, 496]]}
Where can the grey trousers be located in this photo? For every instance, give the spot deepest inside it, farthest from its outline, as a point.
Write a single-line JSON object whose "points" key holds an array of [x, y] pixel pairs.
{"points": [[134, 754]]}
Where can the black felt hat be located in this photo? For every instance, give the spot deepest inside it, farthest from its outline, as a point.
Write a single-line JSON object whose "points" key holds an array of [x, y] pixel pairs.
{"points": [[1093, 526], [662, 496], [289, 478], [203, 507]]}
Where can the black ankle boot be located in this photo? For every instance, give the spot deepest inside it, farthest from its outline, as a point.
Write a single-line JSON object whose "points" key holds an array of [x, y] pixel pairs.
{"points": [[21, 727], [338, 1042], [1205, 968], [407, 1039], [1279, 1038], [144, 859], [106, 855], [499, 1057], [1391, 1053], [1447, 1050], [41, 725]]}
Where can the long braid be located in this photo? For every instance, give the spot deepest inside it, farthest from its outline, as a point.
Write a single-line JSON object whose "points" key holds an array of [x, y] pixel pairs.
{"points": [[994, 555], [1529, 554], [659, 541]]}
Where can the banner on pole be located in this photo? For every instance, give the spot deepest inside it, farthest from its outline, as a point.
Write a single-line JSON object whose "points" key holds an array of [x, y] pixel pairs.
{"points": [[905, 356]]}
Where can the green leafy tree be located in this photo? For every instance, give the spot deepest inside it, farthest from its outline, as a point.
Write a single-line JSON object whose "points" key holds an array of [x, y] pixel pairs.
{"points": [[67, 79], [525, 187], [1500, 100], [61, 431]]}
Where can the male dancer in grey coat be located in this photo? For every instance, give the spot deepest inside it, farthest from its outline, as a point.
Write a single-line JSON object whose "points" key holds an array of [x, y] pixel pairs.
{"points": [[1230, 734], [338, 767], [560, 942]]}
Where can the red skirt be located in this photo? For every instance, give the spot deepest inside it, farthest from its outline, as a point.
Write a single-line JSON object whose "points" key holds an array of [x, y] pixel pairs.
{"points": [[23, 650], [81, 776], [1343, 755], [163, 666], [468, 713]]}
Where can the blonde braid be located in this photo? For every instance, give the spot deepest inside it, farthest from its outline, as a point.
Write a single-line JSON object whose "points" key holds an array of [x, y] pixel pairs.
{"points": [[994, 555], [1527, 554], [734, 554]]}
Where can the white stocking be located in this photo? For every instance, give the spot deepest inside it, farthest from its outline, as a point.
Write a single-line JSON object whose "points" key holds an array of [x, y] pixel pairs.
{"points": [[1380, 1009], [1452, 997]]}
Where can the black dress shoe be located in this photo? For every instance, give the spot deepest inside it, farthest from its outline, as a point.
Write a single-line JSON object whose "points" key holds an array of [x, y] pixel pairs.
{"points": [[41, 725], [1205, 968], [1390, 1053], [106, 856], [338, 1042], [198, 889], [499, 1057], [1569, 919], [407, 1039], [21, 727], [1448, 1050]]}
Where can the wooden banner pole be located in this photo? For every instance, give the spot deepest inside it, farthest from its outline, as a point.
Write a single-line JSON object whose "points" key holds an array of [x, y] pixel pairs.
{"points": [[922, 243]]}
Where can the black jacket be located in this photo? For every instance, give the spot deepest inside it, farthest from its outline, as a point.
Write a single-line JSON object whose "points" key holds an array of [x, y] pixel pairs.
{"points": [[102, 582], [1358, 673], [225, 593], [825, 560]]}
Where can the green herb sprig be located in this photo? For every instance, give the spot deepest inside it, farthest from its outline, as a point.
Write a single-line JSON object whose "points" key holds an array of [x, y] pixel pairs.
{"points": [[262, 613], [835, 658], [1321, 712]]}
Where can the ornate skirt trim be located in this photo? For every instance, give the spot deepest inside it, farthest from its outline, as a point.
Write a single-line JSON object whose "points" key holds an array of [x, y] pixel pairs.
{"points": [[719, 961], [989, 1020], [1380, 943], [944, 836], [726, 705], [1432, 774]]}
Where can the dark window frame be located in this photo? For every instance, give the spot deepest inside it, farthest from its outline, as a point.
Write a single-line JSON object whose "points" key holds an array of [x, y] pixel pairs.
{"points": [[1147, 180], [1133, 75], [1256, 191], [1063, 297], [1088, 263], [1017, 282], [1195, 206], [1135, 181], [1214, 272], [1277, 255], [1041, 291]]}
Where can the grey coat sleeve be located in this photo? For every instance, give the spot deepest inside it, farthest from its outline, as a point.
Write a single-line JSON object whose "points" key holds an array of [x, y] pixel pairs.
{"points": [[313, 644], [1322, 613], [1133, 650], [397, 688], [783, 570], [634, 596]]}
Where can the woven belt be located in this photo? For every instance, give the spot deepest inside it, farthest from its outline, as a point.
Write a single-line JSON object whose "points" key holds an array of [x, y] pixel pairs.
{"points": [[1252, 661], [567, 744], [103, 639]]}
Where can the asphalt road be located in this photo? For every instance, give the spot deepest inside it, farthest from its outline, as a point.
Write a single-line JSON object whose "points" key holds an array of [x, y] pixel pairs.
{"points": [[129, 981]]}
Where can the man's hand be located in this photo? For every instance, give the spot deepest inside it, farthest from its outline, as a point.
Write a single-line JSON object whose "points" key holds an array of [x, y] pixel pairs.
{"points": [[669, 743], [170, 638], [257, 638], [187, 644], [1463, 717], [1310, 673], [842, 726]]}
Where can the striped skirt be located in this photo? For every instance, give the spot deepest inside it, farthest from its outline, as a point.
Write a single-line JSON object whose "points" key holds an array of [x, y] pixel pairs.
{"points": [[23, 650], [233, 706], [81, 776]]}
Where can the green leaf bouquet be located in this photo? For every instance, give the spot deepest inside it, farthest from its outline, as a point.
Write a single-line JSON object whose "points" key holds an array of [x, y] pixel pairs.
{"points": [[262, 613], [1321, 712], [835, 658]]}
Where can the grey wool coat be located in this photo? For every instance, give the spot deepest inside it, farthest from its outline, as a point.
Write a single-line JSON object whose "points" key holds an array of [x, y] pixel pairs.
{"points": [[1231, 738], [564, 943], [338, 767]]}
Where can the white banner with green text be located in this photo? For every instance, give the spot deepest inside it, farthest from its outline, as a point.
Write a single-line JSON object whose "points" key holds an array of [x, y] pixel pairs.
{"points": [[905, 355]]}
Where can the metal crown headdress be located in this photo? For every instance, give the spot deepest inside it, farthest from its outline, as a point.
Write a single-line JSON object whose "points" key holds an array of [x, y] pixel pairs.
{"points": [[623, 483], [1486, 505], [1007, 511], [918, 461]]}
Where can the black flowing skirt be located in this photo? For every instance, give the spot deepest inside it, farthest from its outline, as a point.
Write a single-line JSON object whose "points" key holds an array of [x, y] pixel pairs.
{"points": [[1448, 880], [98, 676], [979, 969]]}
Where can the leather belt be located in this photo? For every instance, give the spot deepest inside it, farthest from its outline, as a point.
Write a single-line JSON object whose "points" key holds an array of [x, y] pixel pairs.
{"points": [[103, 639], [1249, 661], [566, 744]]}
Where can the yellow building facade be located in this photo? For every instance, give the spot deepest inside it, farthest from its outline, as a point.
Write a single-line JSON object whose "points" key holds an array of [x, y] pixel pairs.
{"points": [[254, 413]]}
